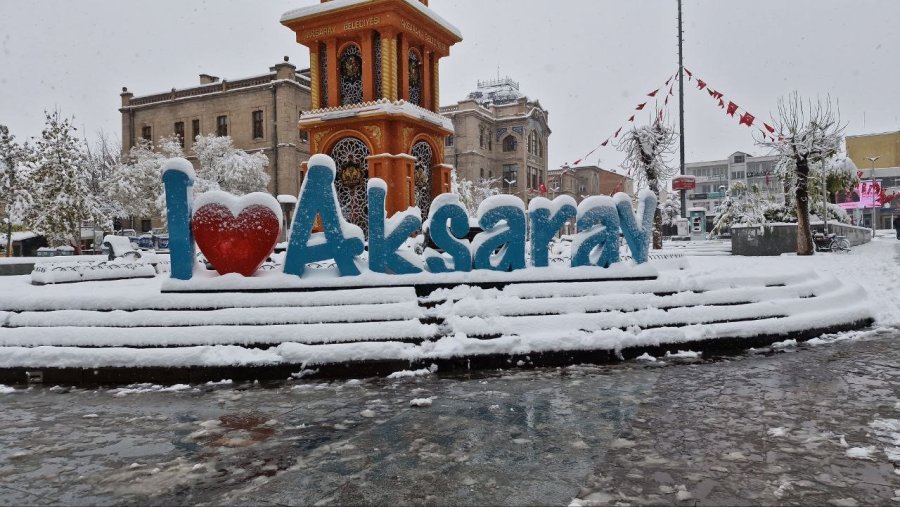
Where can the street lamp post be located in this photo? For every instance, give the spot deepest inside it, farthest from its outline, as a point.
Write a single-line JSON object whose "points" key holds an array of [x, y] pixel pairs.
{"points": [[874, 211]]}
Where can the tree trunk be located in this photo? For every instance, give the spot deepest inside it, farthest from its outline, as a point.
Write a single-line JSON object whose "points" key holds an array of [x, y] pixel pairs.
{"points": [[657, 229], [801, 198], [8, 236]]}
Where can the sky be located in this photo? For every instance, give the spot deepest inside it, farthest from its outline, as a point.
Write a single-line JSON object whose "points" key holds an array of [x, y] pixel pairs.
{"points": [[588, 62]]}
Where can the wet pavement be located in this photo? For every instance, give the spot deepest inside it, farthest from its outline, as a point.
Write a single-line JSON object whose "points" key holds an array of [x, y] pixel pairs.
{"points": [[811, 425]]}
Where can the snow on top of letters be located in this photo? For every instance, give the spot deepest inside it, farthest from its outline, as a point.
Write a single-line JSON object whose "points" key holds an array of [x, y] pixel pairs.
{"points": [[322, 160], [237, 204], [376, 183], [181, 165], [554, 205], [497, 201]]}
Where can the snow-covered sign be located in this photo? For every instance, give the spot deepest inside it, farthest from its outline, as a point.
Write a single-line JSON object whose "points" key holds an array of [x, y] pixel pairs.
{"points": [[504, 220]]}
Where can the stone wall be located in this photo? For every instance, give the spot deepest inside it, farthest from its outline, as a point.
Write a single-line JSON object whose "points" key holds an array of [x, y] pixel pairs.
{"points": [[777, 239]]}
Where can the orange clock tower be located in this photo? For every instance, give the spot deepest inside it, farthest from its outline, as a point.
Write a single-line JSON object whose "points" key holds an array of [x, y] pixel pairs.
{"points": [[375, 97]]}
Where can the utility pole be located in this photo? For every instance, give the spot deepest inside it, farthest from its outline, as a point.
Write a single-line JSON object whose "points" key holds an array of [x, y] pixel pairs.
{"points": [[681, 104]]}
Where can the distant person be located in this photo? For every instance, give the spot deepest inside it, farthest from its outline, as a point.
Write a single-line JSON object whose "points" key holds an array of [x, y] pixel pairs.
{"points": [[897, 227]]}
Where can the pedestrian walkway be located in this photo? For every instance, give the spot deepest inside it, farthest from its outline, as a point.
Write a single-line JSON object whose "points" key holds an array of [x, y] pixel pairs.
{"points": [[812, 425]]}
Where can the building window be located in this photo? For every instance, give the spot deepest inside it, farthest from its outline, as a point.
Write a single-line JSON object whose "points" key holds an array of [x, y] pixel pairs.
{"points": [[482, 173], [195, 130], [483, 136], [415, 78], [424, 161], [510, 143], [351, 159], [146, 225], [257, 124], [738, 159], [510, 176], [222, 126], [147, 133], [533, 143], [179, 132], [304, 136], [351, 76], [449, 141]]}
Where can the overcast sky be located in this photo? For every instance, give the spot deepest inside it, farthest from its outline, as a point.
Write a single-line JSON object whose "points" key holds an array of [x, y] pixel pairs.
{"points": [[589, 62]]}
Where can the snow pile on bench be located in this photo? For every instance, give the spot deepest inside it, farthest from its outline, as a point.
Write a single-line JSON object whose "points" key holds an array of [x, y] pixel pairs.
{"points": [[69, 272]]}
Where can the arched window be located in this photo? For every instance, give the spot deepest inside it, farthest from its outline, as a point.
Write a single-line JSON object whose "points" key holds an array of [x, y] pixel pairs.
{"points": [[351, 76], [424, 156], [415, 77], [349, 156], [510, 143]]}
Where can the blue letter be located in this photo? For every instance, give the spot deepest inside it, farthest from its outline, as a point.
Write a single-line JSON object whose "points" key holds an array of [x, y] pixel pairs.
{"points": [[547, 218], [637, 236], [318, 198], [386, 236], [598, 226], [446, 208], [502, 217], [178, 177]]}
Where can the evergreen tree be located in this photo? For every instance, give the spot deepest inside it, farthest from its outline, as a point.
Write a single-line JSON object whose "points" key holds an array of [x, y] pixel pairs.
{"points": [[15, 179], [61, 179]]}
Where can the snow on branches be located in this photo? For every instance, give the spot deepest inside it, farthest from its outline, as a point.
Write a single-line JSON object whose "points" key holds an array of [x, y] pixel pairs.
{"points": [[61, 183], [809, 134], [224, 167], [648, 150]]}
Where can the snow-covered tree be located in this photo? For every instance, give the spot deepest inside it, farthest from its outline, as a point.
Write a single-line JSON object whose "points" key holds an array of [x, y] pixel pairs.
{"points": [[808, 134], [741, 205], [15, 179], [648, 150], [670, 209], [471, 194], [224, 167], [61, 179], [104, 158], [135, 185]]}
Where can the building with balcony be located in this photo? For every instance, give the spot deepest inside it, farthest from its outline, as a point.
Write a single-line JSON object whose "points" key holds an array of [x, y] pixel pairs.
{"points": [[885, 171]]}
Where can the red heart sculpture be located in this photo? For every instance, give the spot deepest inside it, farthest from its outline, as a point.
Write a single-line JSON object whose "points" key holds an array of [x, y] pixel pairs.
{"points": [[235, 244]]}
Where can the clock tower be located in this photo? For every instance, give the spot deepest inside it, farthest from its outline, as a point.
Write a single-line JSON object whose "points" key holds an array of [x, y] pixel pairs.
{"points": [[374, 68]]}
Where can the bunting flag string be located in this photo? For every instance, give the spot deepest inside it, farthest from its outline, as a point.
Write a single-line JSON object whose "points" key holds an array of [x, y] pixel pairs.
{"points": [[669, 82], [731, 109]]}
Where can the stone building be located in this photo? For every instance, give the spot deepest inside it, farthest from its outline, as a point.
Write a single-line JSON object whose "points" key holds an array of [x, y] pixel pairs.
{"points": [[500, 133], [260, 113], [583, 181]]}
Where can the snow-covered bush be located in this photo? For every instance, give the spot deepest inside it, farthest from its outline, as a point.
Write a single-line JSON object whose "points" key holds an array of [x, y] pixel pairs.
{"points": [[741, 205], [224, 167], [15, 183], [472, 194]]}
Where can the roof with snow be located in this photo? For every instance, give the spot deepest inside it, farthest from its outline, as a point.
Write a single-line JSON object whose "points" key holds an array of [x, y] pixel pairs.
{"points": [[497, 92], [334, 5]]}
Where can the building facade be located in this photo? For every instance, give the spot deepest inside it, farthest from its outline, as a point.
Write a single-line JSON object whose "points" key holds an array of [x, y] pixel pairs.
{"points": [[260, 113], [885, 171], [500, 133], [717, 176], [584, 181]]}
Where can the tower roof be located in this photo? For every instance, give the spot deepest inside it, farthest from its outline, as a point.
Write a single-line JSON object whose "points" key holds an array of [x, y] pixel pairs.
{"points": [[336, 5], [496, 92]]}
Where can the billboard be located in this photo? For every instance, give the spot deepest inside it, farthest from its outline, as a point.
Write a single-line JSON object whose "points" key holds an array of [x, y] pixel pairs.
{"points": [[862, 196]]}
